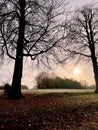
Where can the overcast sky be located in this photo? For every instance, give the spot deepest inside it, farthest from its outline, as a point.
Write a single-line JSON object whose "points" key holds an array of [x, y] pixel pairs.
{"points": [[79, 3]]}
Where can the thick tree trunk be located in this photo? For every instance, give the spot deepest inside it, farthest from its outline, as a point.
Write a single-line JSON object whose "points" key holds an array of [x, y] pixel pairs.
{"points": [[94, 60], [96, 79], [95, 69], [15, 92]]}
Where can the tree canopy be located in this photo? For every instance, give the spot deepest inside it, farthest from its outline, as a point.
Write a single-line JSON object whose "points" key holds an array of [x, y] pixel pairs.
{"points": [[83, 37], [30, 28]]}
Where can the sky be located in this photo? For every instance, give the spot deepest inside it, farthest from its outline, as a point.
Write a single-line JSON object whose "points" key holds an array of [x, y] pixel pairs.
{"points": [[84, 71], [79, 3]]}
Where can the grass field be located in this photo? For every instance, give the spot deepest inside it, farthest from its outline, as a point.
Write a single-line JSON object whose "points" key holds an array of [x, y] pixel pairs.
{"points": [[62, 111]]}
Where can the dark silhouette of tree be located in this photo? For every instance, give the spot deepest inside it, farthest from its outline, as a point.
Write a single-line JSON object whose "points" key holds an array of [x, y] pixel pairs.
{"points": [[30, 28], [41, 80], [83, 37]]}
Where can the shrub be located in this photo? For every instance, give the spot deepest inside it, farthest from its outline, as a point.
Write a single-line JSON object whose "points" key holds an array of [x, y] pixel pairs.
{"points": [[46, 81], [24, 87], [7, 89]]}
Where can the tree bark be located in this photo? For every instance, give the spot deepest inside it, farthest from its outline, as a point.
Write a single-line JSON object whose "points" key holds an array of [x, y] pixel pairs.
{"points": [[95, 69], [96, 81], [15, 92]]}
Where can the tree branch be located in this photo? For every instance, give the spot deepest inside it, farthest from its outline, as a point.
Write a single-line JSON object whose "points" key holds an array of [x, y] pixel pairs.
{"points": [[78, 53], [6, 47]]}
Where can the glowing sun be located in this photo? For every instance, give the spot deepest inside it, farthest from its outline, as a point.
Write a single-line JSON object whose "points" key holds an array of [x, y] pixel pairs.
{"points": [[76, 71]]}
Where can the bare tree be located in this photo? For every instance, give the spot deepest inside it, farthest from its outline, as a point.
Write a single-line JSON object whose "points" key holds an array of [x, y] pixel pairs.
{"points": [[83, 37], [41, 80], [30, 28]]}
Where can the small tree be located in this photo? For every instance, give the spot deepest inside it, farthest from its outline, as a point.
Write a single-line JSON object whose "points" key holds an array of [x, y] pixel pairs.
{"points": [[29, 28], [83, 37], [41, 80]]}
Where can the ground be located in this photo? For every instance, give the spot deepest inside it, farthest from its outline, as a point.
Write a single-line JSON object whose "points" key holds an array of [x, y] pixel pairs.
{"points": [[64, 111]]}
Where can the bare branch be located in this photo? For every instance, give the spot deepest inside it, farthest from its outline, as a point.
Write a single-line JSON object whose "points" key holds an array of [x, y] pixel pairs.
{"points": [[79, 53]]}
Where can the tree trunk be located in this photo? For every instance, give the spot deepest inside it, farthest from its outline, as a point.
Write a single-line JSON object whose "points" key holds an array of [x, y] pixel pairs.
{"points": [[15, 92], [93, 58], [96, 78], [95, 69]]}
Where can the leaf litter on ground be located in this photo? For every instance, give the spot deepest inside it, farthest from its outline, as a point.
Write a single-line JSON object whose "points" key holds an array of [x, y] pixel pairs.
{"points": [[50, 112]]}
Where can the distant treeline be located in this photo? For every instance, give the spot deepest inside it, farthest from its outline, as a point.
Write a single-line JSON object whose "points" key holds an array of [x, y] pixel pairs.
{"points": [[45, 81], [3, 86]]}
